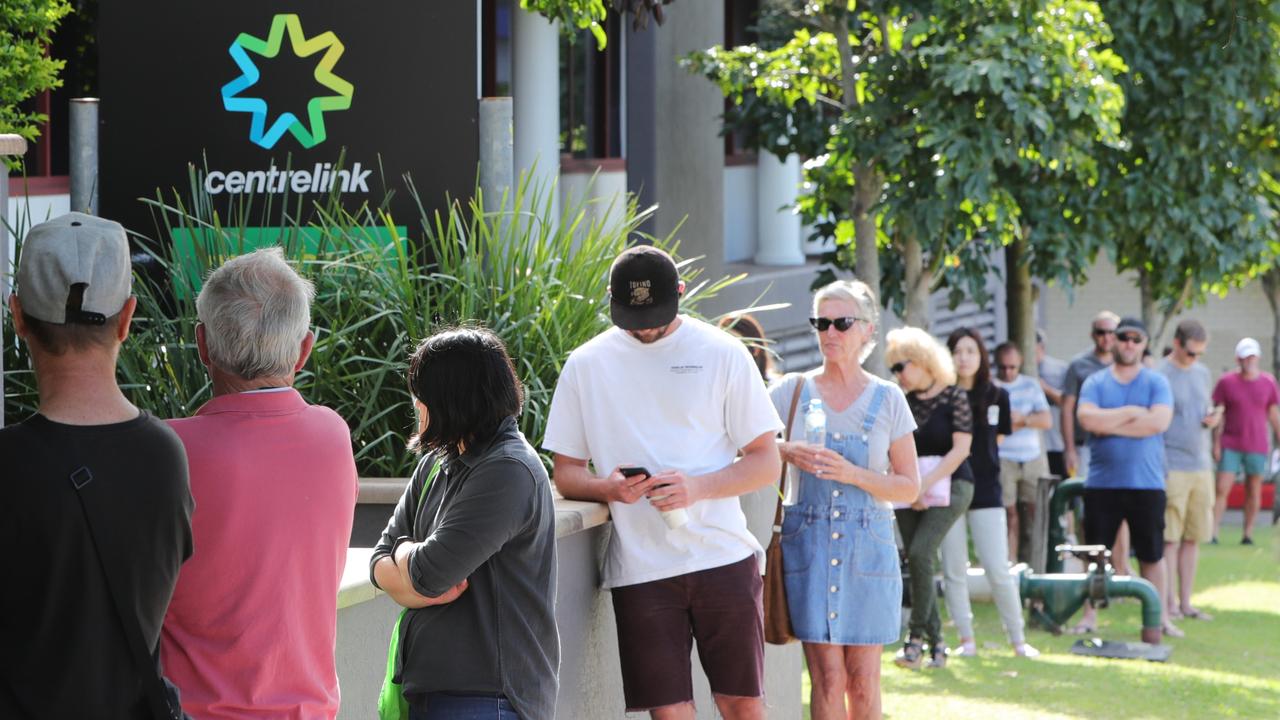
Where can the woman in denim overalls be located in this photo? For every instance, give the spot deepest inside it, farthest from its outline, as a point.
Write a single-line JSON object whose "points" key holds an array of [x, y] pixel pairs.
{"points": [[844, 589]]}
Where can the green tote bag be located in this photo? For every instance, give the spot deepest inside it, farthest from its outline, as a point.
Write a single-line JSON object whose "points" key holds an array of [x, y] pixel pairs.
{"points": [[391, 702]]}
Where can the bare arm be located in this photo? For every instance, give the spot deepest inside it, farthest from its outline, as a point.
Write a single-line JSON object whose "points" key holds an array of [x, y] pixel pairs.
{"points": [[1148, 422], [1273, 415], [1037, 420], [1105, 421], [959, 452], [901, 484], [1069, 421], [1054, 396], [574, 481], [759, 465]]}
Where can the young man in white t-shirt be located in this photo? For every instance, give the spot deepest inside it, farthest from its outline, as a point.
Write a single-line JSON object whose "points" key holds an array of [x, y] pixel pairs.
{"points": [[650, 416]]}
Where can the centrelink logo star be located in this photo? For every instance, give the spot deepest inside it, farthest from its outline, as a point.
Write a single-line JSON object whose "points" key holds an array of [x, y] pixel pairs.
{"points": [[302, 47]]}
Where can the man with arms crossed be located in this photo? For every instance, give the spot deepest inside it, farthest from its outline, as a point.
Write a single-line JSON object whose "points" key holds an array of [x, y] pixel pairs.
{"points": [[252, 627], [678, 398], [1250, 401], [1126, 410], [1188, 517], [66, 648]]}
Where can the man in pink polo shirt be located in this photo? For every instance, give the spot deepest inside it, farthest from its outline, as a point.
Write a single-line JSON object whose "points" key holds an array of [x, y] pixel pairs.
{"points": [[1251, 400], [252, 626]]}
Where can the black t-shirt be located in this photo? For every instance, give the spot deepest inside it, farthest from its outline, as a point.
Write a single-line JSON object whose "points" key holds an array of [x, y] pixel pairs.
{"points": [[65, 650], [936, 419], [984, 457]]}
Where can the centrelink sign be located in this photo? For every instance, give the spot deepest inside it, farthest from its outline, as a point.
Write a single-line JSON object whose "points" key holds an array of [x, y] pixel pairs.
{"points": [[268, 100]]}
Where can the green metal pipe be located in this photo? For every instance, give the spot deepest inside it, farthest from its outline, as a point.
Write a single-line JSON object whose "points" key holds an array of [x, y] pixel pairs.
{"points": [[1066, 491], [1063, 594]]}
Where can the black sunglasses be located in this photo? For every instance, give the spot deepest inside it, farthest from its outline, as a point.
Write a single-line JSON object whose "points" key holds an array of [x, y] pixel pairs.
{"points": [[842, 323], [1190, 353], [899, 366], [1008, 367], [1129, 338]]}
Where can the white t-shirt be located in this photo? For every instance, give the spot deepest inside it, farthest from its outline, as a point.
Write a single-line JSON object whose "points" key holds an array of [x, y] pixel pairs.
{"points": [[687, 402]]}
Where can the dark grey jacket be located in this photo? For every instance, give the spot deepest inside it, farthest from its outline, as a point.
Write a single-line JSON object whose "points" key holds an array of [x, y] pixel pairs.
{"points": [[488, 518]]}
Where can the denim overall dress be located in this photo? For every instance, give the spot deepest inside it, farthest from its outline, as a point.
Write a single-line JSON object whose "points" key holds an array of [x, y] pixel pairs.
{"points": [[840, 561]]}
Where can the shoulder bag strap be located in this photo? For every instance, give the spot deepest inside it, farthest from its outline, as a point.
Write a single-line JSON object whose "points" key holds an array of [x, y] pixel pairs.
{"points": [[786, 436], [422, 498], [157, 695]]}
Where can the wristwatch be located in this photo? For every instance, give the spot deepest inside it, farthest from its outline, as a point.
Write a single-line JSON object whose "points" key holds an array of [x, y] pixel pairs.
{"points": [[397, 543]]}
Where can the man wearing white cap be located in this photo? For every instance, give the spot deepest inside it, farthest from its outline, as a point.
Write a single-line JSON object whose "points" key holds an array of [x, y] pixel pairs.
{"points": [[1250, 399], [96, 518]]}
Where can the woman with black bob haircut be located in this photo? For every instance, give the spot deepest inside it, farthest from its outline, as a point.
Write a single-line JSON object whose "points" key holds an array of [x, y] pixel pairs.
{"points": [[471, 544]]}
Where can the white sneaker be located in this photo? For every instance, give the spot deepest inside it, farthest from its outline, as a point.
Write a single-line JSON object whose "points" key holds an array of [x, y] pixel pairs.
{"points": [[968, 648], [1025, 650]]}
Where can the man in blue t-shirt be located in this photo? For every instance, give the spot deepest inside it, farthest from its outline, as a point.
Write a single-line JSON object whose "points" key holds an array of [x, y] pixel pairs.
{"points": [[1126, 410]]}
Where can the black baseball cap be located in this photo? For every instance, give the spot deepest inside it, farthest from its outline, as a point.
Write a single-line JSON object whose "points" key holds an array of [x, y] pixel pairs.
{"points": [[644, 289], [1132, 324]]}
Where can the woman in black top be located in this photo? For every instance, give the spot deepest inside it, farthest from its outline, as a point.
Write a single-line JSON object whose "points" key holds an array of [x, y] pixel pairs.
{"points": [[471, 547], [944, 434], [986, 516]]}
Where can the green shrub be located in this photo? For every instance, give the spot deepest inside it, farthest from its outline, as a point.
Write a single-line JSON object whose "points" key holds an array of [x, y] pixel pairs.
{"points": [[536, 279]]}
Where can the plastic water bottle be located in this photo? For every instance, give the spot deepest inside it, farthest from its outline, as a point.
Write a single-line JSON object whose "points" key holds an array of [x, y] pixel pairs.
{"points": [[815, 424]]}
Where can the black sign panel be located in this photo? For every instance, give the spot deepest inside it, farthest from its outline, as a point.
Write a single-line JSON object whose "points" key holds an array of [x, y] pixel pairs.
{"points": [[264, 97]]}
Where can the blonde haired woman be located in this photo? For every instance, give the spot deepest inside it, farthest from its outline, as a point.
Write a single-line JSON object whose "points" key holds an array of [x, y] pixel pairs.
{"points": [[844, 587], [943, 435]]}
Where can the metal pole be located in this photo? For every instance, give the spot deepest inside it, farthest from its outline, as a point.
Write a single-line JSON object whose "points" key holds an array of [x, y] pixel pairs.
{"points": [[496, 151], [9, 145], [84, 155]]}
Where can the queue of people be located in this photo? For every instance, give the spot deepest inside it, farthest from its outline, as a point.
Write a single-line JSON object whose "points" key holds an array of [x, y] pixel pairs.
{"points": [[212, 547]]}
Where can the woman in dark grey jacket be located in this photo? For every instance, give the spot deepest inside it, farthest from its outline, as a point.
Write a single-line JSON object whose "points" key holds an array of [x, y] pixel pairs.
{"points": [[475, 559]]}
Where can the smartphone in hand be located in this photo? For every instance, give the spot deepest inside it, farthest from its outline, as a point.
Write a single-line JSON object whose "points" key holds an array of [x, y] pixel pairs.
{"points": [[629, 471]]}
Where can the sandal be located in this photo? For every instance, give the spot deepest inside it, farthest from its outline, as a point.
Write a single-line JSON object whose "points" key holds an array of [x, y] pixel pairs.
{"points": [[910, 656], [938, 655], [1196, 614]]}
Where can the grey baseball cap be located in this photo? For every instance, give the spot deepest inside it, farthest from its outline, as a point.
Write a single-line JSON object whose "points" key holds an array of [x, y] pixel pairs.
{"points": [[74, 249]]}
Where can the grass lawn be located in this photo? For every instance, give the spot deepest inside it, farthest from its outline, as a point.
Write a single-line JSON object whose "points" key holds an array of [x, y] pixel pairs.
{"points": [[1225, 668]]}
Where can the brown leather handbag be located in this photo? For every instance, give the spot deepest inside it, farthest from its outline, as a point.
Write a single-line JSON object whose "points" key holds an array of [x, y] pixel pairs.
{"points": [[777, 618]]}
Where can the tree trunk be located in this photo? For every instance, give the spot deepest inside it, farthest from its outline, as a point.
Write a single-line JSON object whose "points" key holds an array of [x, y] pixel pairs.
{"points": [[1020, 300], [1271, 288], [919, 280], [867, 181]]}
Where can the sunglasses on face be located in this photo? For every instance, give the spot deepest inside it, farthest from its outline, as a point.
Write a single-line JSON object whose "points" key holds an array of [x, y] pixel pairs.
{"points": [[898, 367], [842, 323], [1191, 353], [1103, 331], [1130, 338], [1008, 368]]}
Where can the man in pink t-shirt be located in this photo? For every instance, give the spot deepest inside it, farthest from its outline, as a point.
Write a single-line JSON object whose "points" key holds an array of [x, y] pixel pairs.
{"points": [[251, 630], [1250, 400]]}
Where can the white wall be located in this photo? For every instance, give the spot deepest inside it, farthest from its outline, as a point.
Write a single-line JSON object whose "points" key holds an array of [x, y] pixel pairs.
{"points": [[741, 225], [600, 189], [1241, 313]]}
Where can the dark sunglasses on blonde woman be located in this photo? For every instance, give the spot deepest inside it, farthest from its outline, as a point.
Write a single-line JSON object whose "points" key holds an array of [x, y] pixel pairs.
{"points": [[842, 323]]}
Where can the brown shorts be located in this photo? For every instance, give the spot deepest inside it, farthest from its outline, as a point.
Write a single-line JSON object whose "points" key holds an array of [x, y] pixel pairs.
{"points": [[1188, 515], [658, 622]]}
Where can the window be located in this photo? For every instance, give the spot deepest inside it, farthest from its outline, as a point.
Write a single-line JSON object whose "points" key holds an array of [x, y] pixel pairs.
{"points": [[591, 94], [495, 61], [739, 29]]}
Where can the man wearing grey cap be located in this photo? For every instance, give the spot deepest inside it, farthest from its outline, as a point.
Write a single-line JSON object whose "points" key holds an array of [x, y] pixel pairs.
{"points": [[97, 513], [650, 416], [1250, 400]]}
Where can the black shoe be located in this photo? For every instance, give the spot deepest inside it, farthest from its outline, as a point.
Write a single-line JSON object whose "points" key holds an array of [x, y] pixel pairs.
{"points": [[1214, 541], [1246, 540], [910, 656]]}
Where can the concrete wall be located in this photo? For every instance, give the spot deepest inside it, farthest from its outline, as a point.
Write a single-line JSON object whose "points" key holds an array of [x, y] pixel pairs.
{"points": [[590, 681], [600, 189], [741, 224], [1066, 316]]}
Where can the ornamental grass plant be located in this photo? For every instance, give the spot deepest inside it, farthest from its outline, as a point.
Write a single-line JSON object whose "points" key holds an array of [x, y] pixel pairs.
{"points": [[535, 276]]}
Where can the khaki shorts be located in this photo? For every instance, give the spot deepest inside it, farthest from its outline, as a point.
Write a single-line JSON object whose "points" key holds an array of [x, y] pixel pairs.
{"points": [[1189, 513], [1018, 481]]}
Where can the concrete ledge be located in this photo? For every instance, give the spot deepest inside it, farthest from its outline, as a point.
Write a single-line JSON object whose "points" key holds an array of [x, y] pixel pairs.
{"points": [[572, 516]]}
